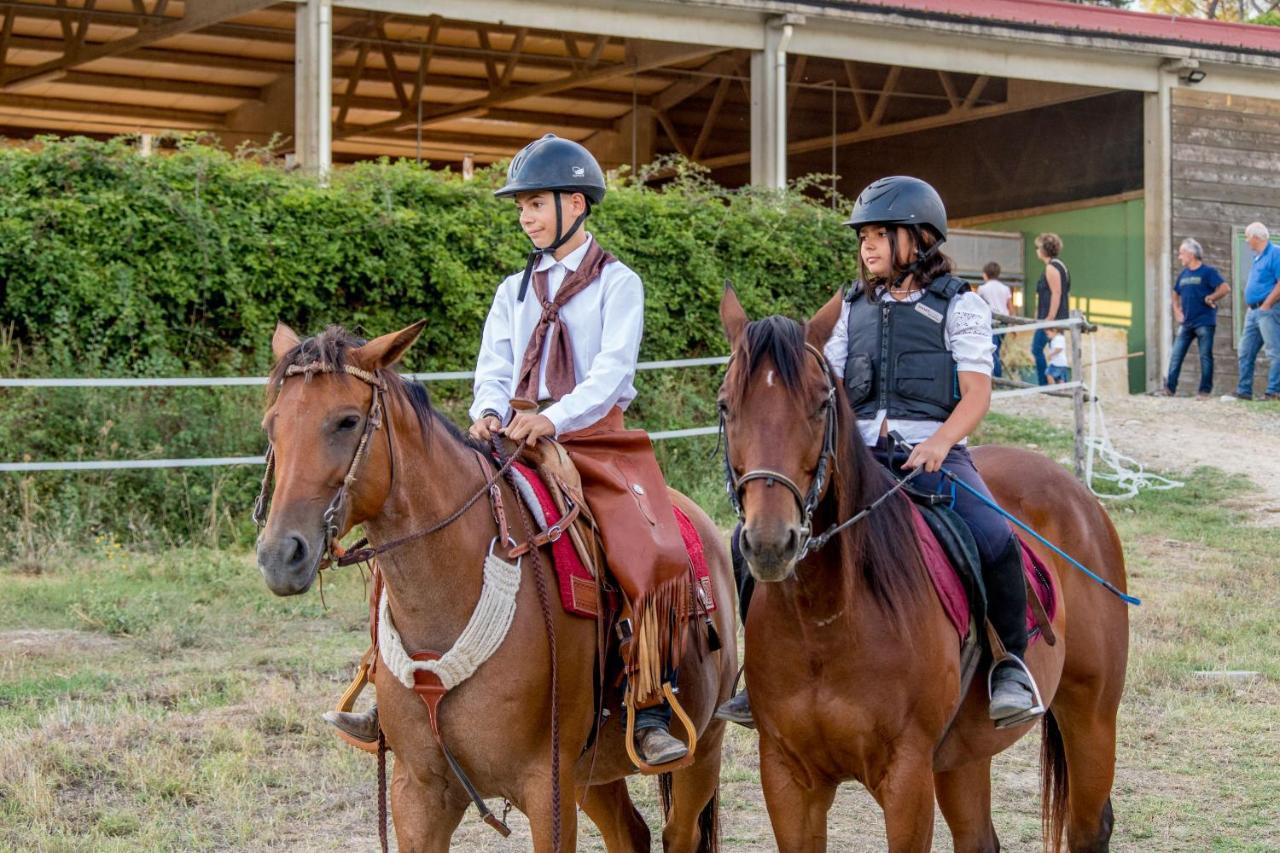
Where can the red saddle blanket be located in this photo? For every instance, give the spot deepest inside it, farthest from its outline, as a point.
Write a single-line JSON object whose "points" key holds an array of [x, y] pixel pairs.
{"points": [[951, 589], [577, 586]]}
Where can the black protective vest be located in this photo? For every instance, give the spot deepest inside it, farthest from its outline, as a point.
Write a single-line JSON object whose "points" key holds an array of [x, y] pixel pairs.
{"points": [[898, 358]]}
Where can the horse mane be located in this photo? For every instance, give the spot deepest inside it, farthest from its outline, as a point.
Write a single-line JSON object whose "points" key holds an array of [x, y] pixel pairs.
{"points": [[331, 349], [883, 545]]}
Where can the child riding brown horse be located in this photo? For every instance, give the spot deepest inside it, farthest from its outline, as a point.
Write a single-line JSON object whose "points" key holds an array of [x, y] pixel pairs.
{"points": [[349, 434], [853, 667]]}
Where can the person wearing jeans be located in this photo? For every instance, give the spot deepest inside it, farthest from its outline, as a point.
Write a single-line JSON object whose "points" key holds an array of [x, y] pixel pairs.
{"points": [[1262, 322], [1053, 292], [1196, 295], [1203, 338]]}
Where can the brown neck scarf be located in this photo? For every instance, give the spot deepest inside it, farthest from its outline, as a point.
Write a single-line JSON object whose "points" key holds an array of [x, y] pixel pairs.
{"points": [[561, 377]]}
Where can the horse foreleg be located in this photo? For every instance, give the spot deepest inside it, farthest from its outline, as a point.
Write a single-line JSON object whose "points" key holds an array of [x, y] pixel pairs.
{"points": [[538, 805], [610, 808], [797, 808], [424, 818], [964, 795], [906, 794], [693, 792]]}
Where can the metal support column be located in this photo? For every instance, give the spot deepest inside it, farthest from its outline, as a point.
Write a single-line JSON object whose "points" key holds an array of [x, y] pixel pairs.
{"points": [[1157, 182], [313, 85], [769, 103]]}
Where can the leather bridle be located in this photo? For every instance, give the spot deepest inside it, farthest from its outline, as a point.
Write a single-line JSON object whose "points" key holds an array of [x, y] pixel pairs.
{"points": [[806, 501], [340, 503]]}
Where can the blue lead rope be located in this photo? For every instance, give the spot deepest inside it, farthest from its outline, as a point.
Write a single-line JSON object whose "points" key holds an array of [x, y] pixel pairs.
{"points": [[1106, 584], [956, 481]]}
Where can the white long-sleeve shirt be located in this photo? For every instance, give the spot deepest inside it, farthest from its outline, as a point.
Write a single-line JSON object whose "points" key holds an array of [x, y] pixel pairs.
{"points": [[605, 322], [967, 335]]}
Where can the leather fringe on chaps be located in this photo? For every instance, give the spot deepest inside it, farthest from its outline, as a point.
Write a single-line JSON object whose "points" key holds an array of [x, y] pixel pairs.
{"points": [[628, 498]]}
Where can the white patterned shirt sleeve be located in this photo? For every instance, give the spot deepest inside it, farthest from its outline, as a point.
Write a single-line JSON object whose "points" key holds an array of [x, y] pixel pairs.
{"points": [[837, 347], [968, 334]]}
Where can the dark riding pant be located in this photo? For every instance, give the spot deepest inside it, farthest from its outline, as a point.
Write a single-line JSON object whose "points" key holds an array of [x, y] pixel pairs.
{"points": [[990, 530], [1002, 573]]}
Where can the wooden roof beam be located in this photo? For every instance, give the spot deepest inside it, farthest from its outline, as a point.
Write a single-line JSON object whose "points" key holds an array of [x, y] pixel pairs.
{"points": [[880, 131], [127, 83], [171, 118], [643, 56], [193, 18]]}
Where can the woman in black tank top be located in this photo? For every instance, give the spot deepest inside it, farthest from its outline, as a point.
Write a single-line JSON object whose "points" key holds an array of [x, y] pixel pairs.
{"points": [[1057, 278]]}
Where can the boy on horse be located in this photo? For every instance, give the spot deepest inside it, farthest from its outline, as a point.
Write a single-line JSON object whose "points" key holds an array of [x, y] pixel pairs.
{"points": [[566, 332], [914, 351]]}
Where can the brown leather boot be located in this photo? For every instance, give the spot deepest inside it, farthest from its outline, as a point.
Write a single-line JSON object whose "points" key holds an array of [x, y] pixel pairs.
{"points": [[362, 727], [659, 746]]}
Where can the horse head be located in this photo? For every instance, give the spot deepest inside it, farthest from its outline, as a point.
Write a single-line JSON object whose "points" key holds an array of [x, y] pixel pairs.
{"points": [[331, 453], [779, 407]]}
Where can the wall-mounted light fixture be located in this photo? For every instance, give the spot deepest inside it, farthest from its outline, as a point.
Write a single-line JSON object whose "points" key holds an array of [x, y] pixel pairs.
{"points": [[1188, 70]]}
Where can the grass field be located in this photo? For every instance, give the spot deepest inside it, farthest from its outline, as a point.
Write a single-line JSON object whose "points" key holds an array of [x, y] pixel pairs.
{"points": [[156, 701]]}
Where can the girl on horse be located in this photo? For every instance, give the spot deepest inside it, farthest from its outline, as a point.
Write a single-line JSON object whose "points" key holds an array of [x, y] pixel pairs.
{"points": [[573, 343], [914, 351]]}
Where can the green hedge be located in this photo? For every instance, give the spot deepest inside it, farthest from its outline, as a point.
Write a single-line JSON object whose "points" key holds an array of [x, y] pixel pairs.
{"points": [[116, 264]]}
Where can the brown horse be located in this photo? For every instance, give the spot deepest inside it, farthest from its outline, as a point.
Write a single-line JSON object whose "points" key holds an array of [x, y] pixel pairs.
{"points": [[853, 667], [416, 469]]}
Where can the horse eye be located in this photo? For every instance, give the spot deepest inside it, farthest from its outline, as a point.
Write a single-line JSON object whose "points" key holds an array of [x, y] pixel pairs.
{"points": [[348, 423]]}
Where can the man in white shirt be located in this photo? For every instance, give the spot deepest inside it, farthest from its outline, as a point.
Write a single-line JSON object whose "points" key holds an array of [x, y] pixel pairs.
{"points": [[998, 295]]}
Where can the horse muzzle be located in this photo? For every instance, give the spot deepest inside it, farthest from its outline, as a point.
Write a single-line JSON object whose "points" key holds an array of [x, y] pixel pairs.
{"points": [[771, 554], [288, 562]]}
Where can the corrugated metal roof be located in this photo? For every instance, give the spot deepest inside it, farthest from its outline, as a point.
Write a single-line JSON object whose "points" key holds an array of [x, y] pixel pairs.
{"points": [[1056, 15]]}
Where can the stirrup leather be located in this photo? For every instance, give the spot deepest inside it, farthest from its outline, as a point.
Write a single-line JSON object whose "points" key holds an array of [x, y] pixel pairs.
{"points": [[1037, 708]]}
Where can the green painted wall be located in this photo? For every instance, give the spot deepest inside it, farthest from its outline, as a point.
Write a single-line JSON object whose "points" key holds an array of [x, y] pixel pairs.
{"points": [[1103, 248]]}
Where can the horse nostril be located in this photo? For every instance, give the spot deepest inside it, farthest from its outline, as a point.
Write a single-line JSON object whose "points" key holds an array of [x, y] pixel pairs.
{"points": [[793, 542], [298, 556], [744, 543]]}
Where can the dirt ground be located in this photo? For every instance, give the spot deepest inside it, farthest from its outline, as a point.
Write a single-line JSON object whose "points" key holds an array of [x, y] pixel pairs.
{"points": [[1181, 434]]}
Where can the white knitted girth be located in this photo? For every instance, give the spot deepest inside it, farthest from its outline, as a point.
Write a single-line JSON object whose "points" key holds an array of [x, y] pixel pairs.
{"points": [[486, 630]]}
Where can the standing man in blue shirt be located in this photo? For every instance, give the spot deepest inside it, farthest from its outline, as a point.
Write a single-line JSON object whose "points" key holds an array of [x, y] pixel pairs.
{"points": [[1196, 295], [1262, 323]]}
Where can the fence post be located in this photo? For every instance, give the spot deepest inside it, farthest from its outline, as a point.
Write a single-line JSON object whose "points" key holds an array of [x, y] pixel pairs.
{"points": [[1077, 394]]}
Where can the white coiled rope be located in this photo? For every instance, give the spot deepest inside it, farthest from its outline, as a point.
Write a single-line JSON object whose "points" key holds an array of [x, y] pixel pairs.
{"points": [[487, 628], [1127, 473]]}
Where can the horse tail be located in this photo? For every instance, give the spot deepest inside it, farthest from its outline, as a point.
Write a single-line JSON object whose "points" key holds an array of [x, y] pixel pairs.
{"points": [[1053, 783], [664, 794], [709, 825]]}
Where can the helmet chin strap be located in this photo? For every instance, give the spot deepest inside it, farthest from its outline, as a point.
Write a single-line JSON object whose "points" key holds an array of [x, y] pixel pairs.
{"points": [[561, 238]]}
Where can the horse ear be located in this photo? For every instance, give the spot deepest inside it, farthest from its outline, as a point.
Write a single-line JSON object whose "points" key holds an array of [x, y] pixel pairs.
{"points": [[818, 329], [732, 317], [283, 341], [388, 349]]}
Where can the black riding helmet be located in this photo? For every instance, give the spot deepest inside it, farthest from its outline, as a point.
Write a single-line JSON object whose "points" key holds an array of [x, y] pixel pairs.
{"points": [[900, 200], [559, 166], [906, 202]]}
